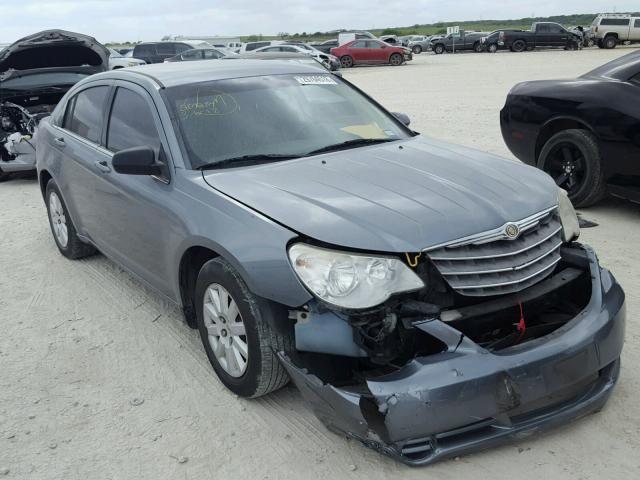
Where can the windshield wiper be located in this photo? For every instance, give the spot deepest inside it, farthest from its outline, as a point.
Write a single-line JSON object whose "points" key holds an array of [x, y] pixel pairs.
{"points": [[351, 144], [246, 160]]}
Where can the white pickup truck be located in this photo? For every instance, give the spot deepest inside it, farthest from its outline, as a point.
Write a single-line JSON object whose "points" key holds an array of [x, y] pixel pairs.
{"points": [[610, 29]]}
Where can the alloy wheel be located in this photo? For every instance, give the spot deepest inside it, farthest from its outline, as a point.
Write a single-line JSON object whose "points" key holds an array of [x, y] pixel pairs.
{"points": [[566, 165], [58, 220], [226, 330]]}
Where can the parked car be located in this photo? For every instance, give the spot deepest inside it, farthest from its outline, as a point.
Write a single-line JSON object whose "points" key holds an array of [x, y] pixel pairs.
{"points": [[423, 45], [542, 34], [117, 60], [492, 42], [586, 34], [583, 132], [35, 73], [360, 52], [610, 29], [325, 46], [200, 54], [407, 39], [329, 60], [465, 41], [158, 52], [392, 40], [289, 56], [427, 299], [250, 46]]}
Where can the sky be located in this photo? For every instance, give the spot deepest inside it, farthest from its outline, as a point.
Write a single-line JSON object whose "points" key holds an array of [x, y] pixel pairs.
{"points": [[132, 20]]}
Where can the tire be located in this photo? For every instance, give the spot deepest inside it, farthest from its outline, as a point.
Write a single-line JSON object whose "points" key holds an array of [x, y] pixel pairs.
{"points": [[4, 175], [69, 245], [346, 61], [519, 46], [609, 42], [590, 43], [262, 372], [492, 48], [438, 49], [477, 47], [396, 59], [584, 152], [416, 49]]}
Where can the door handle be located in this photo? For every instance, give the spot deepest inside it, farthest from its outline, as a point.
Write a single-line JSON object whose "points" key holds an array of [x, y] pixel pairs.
{"points": [[59, 141], [103, 166]]}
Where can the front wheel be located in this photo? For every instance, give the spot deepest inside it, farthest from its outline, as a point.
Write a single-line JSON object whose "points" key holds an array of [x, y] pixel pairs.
{"points": [[236, 332], [346, 61], [396, 59], [477, 47], [610, 42], [62, 227], [416, 49], [438, 49], [492, 48], [519, 46], [572, 159], [4, 175]]}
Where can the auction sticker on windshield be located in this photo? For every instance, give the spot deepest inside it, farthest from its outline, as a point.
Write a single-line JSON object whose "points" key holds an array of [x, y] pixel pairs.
{"points": [[316, 80]]}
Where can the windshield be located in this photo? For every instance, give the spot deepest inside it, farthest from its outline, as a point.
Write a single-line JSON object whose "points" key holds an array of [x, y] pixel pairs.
{"points": [[40, 80], [114, 54], [287, 115]]}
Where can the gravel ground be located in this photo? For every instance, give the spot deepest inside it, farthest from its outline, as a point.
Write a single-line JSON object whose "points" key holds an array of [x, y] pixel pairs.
{"points": [[100, 379]]}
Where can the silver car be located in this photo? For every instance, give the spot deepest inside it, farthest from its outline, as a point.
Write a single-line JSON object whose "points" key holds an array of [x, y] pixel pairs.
{"points": [[426, 299]]}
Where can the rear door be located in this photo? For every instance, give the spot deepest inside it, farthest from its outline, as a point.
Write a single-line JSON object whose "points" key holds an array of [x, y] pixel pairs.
{"points": [[358, 51], [634, 32], [166, 50], [133, 225], [542, 36], [80, 141], [146, 53]]}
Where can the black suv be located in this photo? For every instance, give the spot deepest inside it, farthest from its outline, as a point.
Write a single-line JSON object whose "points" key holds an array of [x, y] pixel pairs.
{"points": [[156, 52]]}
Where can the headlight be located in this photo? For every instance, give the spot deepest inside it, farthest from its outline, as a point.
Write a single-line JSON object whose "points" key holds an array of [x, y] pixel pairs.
{"points": [[350, 280], [568, 217]]}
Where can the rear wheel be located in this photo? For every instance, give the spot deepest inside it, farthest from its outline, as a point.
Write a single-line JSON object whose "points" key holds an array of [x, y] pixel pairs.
{"points": [[3, 175], [416, 49], [438, 49], [477, 47], [519, 46], [64, 232], [396, 59], [237, 334], [572, 158], [610, 42], [346, 61]]}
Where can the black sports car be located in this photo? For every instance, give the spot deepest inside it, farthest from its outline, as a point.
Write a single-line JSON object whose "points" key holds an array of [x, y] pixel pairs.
{"points": [[585, 132]]}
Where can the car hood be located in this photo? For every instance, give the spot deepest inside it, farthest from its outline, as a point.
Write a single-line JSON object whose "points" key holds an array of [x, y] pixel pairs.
{"points": [[396, 197], [52, 49]]}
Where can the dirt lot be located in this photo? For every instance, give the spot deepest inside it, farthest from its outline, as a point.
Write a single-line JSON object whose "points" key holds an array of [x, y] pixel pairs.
{"points": [[100, 379]]}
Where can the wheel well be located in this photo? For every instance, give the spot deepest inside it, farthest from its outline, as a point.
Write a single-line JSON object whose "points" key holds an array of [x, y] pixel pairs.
{"points": [[190, 264], [117, 67], [44, 179], [556, 126], [612, 34]]}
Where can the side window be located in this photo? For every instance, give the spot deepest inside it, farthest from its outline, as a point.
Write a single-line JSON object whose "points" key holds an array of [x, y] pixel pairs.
{"points": [[131, 123], [373, 44], [620, 22], [289, 49], [543, 29], [166, 49], [555, 29], [359, 44], [144, 50], [636, 24], [181, 47], [192, 54], [84, 113], [209, 54]]}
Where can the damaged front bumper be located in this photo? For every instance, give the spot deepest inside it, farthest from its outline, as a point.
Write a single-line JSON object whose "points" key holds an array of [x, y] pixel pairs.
{"points": [[467, 398]]}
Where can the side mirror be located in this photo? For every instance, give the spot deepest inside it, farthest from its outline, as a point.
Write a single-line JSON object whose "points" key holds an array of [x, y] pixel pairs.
{"points": [[136, 161], [403, 117]]}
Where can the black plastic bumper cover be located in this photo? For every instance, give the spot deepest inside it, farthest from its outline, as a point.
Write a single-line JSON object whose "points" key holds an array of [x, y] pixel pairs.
{"points": [[466, 398]]}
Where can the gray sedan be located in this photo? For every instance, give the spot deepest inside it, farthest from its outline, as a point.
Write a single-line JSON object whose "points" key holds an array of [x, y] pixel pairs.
{"points": [[426, 299]]}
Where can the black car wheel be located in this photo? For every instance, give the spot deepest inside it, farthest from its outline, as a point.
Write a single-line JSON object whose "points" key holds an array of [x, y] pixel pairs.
{"points": [[610, 42], [3, 175], [396, 59], [237, 333], [438, 49], [492, 48], [519, 46], [477, 47], [346, 61], [416, 49], [572, 158]]}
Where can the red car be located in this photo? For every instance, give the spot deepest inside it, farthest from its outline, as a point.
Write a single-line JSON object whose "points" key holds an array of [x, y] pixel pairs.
{"points": [[368, 51]]}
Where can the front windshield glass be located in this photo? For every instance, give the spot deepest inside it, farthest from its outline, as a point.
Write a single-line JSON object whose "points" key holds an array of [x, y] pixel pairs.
{"points": [[41, 80], [290, 115]]}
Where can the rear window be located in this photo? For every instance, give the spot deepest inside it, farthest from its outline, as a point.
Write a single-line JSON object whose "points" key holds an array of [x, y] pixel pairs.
{"points": [[615, 21], [145, 50], [84, 113], [166, 48], [636, 24]]}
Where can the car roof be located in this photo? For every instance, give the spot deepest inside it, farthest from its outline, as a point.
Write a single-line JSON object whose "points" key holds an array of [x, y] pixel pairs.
{"points": [[172, 74], [622, 68]]}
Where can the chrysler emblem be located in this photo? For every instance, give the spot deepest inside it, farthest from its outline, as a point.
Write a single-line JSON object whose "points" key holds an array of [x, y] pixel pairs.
{"points": [[512, 231]]}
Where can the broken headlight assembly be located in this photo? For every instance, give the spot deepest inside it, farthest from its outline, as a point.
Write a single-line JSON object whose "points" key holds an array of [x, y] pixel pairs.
{"points": [[350, 280], [568, 217]]}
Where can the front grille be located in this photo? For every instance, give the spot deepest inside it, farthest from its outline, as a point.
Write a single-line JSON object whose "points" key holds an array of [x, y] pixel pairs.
{"points": [[488, 264]]}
